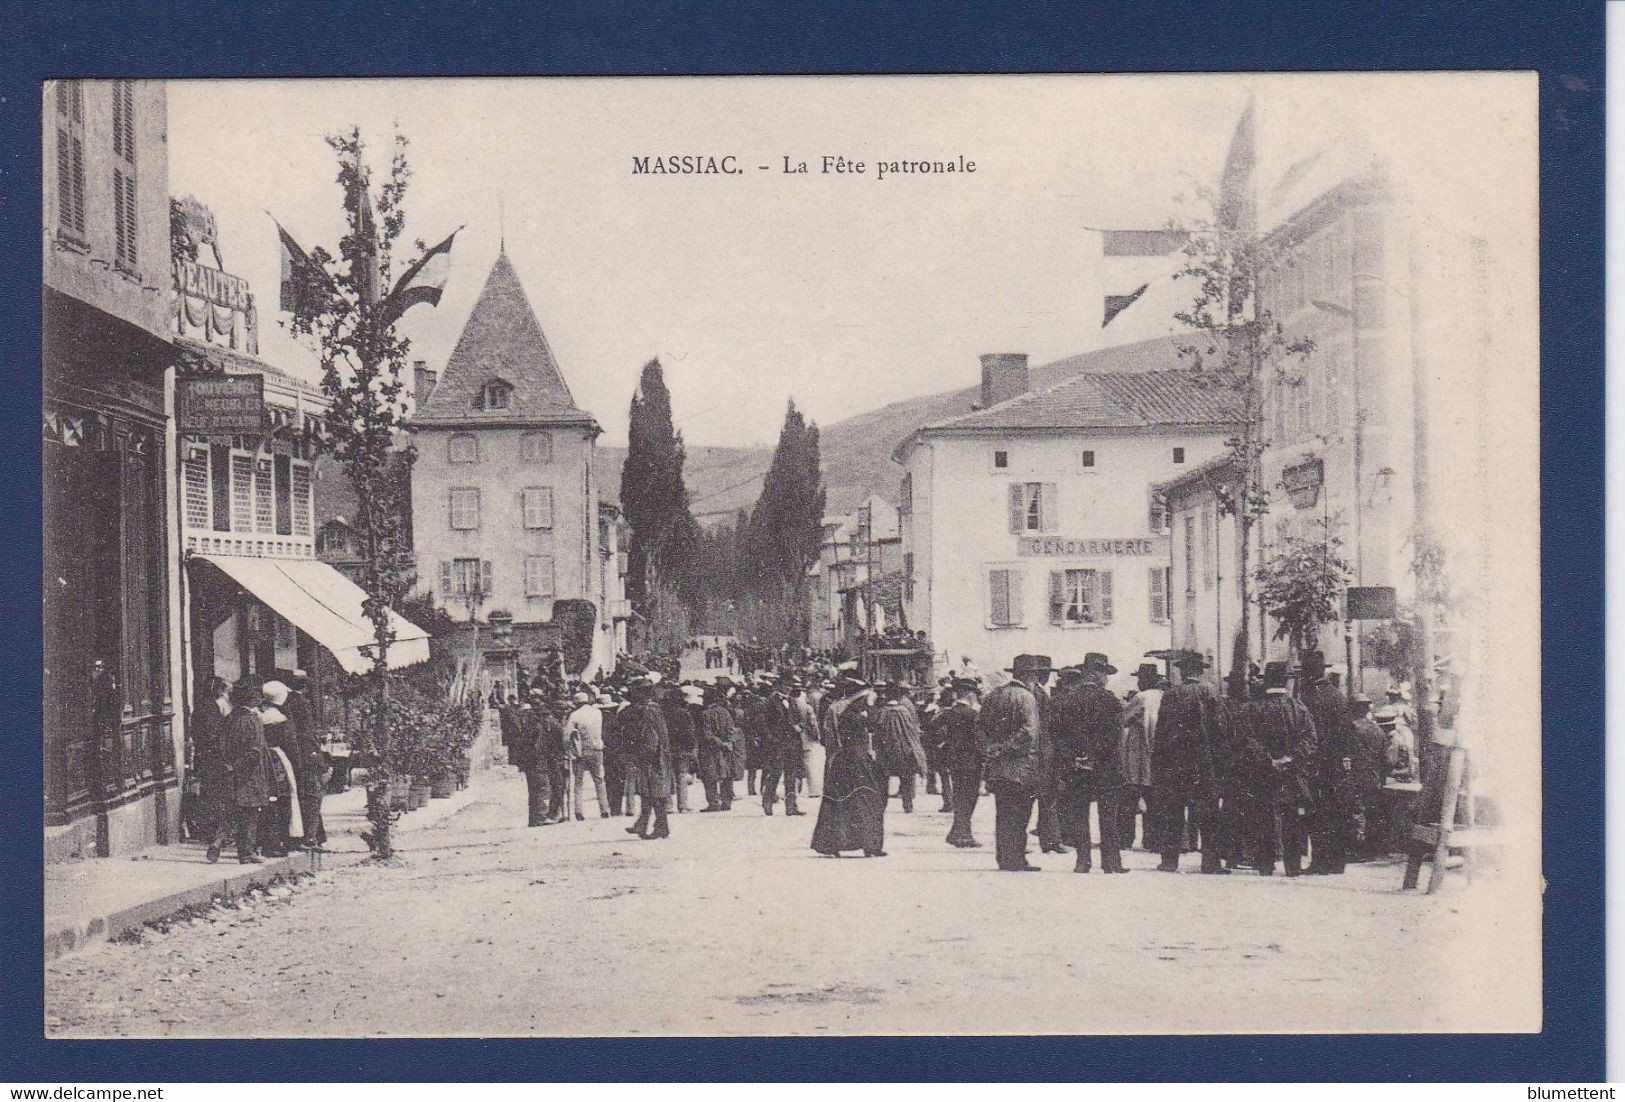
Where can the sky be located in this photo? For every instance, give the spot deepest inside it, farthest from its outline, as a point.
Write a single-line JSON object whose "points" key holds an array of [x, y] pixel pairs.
{"points": [[841, 292]]}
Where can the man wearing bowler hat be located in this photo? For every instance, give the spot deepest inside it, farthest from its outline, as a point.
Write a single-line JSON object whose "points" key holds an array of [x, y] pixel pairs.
{"points": [[1278, 750], [1086, 728], [1185, 765], [1016, 755]]}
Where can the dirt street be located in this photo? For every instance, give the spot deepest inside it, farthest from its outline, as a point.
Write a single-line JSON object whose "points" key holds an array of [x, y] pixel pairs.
{"points": [[734, 926]]}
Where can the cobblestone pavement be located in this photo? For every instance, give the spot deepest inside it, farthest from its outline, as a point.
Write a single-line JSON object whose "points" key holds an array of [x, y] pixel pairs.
{"points": [[734, 926]]}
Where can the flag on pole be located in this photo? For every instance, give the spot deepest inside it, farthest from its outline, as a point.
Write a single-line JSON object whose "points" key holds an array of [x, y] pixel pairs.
{"points": [[368, 279], [303, 281], [1238, 203], [422, 282]]}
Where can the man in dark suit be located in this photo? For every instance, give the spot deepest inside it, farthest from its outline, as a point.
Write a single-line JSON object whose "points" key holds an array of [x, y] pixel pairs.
{"points": [[1275, 741], [243, 756], [960, 738], [309, 764], [1185, 765], [1331, 829], [1086, 725], [1016, 754]]}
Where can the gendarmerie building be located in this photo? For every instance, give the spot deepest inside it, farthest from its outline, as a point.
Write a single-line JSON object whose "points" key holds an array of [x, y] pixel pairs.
{"points": [[505, 517], [111, 681], [1030, 524]]}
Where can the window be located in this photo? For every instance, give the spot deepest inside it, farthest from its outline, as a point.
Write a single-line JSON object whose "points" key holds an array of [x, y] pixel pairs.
{"points": [[538, 575], [1004, 598], [1179, 455], [1158, 582], [536, 447], [1080, 597], [1088, 460], [908, 575], [496, 394], [1001, 460], [465, 578], [1190, 555], [70, 158], [905, 495], [284, 495], [465, 509], [462, 447], [536, 503], [1157, 514], [1032, 507], [220, 484]]}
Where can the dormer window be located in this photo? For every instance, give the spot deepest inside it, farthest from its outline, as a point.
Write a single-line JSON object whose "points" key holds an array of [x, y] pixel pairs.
{"points": [[496, 394]]}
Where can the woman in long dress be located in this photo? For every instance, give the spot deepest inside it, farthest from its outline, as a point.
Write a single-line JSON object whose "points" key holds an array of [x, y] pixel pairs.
{"points": [[852, 813]]}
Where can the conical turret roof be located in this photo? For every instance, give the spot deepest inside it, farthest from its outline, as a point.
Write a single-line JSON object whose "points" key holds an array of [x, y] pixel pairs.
{"points": [[502, 340]]}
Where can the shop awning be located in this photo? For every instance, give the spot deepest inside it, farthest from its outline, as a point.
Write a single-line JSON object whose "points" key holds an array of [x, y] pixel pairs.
{"points": [[326, 606]]}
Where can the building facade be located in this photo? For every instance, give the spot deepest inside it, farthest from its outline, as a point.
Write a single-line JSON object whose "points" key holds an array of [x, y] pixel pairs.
{"points": [[844, 591], [112, 735], [1204, 560], [1030, 525], [505, 514], [257, 601]]}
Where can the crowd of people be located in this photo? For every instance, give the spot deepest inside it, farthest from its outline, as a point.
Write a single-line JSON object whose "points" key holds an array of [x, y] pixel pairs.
{"points": [[1281, 771], [257, 770]]}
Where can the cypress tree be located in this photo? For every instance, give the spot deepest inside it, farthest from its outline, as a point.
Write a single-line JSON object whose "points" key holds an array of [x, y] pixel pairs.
{"points": [[785, 528], [653, 497]]}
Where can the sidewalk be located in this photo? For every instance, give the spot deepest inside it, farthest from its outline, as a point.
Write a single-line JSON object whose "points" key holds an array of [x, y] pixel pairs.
{"points": [[96, 899]]}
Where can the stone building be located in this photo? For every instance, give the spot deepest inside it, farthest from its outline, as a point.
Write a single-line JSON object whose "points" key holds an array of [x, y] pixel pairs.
{"points": [[1030, 524], [505, 515], [112, 731]]}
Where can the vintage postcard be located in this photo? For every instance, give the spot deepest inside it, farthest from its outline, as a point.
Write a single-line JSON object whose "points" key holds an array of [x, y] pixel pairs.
{"points": [[868, 488]]}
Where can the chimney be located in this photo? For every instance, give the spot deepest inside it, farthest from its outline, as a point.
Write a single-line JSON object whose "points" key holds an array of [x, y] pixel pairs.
{"points": [[1004, 376], [423, 381]]}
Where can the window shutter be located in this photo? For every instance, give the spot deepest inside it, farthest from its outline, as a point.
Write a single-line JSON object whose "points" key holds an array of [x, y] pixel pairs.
{"points": [[445, 580], [998, 592], [78, 178], [127, 98], [1016, 607], [1047, 508], [64, 179], [1057, 597], [1105, 577], [485, 577], [1157, 588], [451, 508], [1017, 508]]}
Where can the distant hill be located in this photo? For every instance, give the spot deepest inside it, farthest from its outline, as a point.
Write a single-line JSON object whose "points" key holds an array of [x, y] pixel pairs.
{"points": [[856, 452]]}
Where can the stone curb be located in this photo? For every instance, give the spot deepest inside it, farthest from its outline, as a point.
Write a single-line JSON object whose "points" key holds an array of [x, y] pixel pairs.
{"points": [[78, 933]]}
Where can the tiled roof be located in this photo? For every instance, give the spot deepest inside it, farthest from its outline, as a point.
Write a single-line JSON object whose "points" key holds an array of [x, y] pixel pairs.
{"points": [[502, 340], [1175, 398]]}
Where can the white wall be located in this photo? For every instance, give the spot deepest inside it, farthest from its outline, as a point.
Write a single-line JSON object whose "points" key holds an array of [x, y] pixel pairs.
{"points": [[964, 503]]}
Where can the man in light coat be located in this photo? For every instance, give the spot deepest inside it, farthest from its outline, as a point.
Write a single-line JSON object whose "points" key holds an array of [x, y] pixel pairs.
{"points": [[1139, 731]]}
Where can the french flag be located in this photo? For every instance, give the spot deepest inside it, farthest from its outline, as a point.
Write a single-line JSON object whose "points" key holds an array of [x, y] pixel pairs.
{"points": [[422, 282]]}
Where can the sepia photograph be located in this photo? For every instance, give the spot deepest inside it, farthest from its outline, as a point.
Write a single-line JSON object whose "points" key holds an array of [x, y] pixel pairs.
{"points": [[452, 484]]}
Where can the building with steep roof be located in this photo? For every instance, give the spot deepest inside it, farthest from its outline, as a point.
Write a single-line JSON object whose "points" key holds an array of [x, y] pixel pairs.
{"points": [[505, 516], [1029, 523]]}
